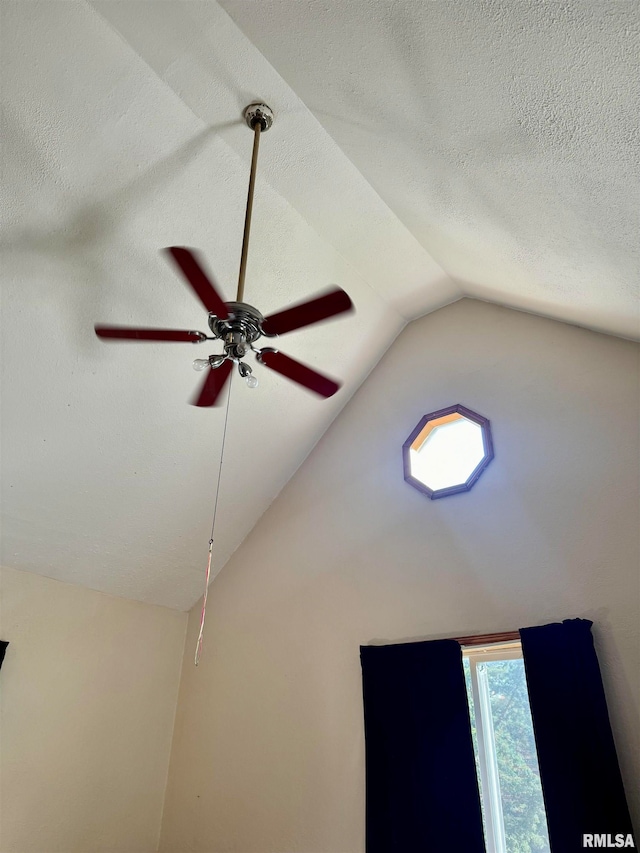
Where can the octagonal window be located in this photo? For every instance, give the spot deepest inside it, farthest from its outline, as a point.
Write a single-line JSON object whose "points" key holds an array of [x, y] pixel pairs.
{"points": [[447, 451]]}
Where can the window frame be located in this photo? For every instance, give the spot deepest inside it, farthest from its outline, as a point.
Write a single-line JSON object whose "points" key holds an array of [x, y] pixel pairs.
{"points": [[487, 441]]}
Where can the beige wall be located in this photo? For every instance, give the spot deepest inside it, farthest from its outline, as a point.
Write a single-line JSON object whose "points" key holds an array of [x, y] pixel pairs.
{"points": [[268, 750], [88, 693]]}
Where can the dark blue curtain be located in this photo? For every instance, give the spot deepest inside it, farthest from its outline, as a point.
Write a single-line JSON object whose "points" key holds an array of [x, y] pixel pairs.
{"points": [[422, 793], [579, 770]]}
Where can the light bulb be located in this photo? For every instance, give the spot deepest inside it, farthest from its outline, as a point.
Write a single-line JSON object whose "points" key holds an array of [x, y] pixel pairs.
{"points": [[252, 381], [201, 363]]}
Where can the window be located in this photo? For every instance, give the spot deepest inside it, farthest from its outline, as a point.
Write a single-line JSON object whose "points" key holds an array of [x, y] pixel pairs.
{"points": [[506, 761], [447, 451]]}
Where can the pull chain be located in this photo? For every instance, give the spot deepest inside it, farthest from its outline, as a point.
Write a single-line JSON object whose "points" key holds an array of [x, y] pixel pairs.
{"points": [[213, 524], [204, 605]]}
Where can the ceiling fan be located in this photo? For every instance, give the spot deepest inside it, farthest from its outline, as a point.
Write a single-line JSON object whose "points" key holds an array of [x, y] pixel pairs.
{"points": [[239, 325]]}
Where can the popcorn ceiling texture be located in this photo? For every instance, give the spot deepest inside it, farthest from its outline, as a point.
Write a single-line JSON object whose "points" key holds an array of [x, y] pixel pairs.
{"points": [[504, 135], [421, 151]]}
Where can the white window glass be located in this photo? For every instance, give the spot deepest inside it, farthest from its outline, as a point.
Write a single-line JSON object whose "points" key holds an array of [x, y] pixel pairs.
{"points": [[449, 455]]}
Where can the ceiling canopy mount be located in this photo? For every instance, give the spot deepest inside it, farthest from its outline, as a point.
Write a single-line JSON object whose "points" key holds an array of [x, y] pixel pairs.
{"points": [[258, 113]]}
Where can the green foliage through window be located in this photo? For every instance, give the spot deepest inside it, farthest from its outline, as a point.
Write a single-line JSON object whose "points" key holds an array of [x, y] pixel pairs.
{"points": [[523, 810]]}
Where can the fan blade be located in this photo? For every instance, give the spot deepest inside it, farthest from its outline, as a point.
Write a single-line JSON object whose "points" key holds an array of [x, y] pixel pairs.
{"points": [[213, 385], [298, 372], [321, 308], [130, 333], [199, 281]]}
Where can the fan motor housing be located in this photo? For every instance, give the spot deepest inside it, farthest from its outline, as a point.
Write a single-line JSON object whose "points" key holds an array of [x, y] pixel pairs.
{"points": [[242, 326]]}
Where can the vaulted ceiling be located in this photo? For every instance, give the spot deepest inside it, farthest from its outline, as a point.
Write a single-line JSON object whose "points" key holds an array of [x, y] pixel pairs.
{"points": [[421, 152]]}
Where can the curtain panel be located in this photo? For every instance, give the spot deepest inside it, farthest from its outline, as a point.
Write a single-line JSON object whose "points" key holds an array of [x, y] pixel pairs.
{"points": [[579, 771], [421, 787]]}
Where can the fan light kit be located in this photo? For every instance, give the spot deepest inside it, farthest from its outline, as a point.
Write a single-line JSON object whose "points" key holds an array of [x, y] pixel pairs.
{"points": [[239, 325]]}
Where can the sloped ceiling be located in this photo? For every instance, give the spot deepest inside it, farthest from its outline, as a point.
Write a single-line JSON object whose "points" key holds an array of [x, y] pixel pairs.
{"points": [[420, 152], [503, 133]]}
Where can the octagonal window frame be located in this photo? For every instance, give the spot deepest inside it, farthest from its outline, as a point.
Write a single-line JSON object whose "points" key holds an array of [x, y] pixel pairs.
{"points": [[487, 441]]}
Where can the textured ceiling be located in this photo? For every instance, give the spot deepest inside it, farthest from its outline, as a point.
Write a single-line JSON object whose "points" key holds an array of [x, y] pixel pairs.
{"points": [[503, 133], [420, 151]]}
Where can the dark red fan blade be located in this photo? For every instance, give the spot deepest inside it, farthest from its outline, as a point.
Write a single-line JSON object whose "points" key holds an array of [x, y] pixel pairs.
{"points": [[332, 303], [130, 333], [213, 385], [299, 373], [199, 281]]}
